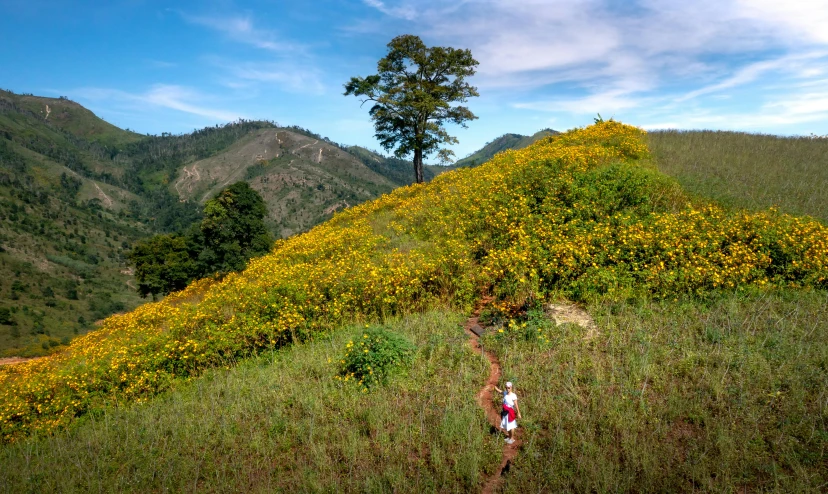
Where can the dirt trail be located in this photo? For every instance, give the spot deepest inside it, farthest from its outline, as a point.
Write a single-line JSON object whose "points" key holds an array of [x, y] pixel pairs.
{"points": [[13, 360], [106, 199], [484, 398], [306, 145], [187, 175]]}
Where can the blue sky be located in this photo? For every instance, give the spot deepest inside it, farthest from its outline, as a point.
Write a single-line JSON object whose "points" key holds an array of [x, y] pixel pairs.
{"points": [[752, 65]]}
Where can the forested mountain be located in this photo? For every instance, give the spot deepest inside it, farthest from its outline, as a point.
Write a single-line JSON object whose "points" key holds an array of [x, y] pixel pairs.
{"points": [[77, 192]]}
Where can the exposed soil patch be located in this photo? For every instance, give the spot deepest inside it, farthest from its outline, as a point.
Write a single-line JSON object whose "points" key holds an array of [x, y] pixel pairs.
{"points": [[13, 360], [567, 312], [484, 398]]}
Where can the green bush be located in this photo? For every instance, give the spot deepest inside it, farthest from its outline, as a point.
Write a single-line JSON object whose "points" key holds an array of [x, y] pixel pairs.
{"points": [[372, 355]]}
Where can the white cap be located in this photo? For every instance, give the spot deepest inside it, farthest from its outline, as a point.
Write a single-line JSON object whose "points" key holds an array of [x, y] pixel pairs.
{"points": [[509, 384]]}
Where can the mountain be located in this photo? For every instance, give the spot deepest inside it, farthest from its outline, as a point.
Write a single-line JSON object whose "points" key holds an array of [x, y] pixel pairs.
{"points": [[302, 177], [77, 192], [502, 143]]}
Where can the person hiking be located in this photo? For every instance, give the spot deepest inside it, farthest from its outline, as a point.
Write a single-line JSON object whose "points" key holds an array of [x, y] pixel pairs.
{"points": [[510, 412]]}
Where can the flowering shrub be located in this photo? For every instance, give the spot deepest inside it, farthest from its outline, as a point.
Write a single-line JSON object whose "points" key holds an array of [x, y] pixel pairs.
{"points": [[579, 214], [373, 355]]}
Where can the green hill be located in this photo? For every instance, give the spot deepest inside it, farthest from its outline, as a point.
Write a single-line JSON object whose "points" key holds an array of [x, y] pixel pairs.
{"points": [[71, 117], [77, 192], [704, 369], [502, 143]]}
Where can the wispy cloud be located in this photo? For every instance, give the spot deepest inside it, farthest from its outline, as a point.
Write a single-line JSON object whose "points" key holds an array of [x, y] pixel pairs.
{"points": [[243, 30], [161, 64], [172, 97], [792, 65], [407, 12], [287, 74]]}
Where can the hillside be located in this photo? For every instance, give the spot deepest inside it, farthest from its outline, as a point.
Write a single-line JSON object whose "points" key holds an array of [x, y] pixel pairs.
{"points": [[704, 370], [77, 192], [748, 170], [71, 117], [502, 143], [303, 179], [65, 229]]}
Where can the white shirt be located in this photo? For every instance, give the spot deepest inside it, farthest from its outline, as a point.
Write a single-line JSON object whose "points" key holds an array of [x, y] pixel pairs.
{"points": [[509, 399]]}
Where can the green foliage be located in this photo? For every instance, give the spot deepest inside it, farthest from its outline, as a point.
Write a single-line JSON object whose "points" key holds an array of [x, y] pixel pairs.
{"points": [[164, 263], [373, 354], [6, 316], [231, 232], [412, 94], [233, 229]]}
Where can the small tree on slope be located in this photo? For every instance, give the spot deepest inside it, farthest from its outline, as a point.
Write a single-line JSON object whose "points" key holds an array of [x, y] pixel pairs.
{"points": [[412, 94]]}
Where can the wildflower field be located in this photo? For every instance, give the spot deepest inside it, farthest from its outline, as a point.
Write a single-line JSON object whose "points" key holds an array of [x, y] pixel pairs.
{"points": [[582, 215]]}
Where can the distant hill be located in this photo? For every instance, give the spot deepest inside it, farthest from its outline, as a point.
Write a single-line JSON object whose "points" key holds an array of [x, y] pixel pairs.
{"points": [[76, 192], [303, 178], [502, 143], [71, 117]]}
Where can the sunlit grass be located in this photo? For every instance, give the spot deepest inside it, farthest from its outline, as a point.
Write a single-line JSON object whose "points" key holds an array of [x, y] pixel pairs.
{"points": [[725, 395], [748, 170], [283, 422]]}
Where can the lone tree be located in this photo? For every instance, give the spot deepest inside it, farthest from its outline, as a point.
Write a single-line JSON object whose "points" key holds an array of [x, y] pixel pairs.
{"points": [[412, 95]]}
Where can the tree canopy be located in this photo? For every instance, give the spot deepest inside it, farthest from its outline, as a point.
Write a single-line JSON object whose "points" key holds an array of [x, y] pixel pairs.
{"points": [[233, 228], [413, 93], [231, 232]]}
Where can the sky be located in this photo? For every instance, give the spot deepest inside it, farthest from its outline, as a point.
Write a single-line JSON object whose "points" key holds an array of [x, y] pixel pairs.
{"points": [[748, 65]]}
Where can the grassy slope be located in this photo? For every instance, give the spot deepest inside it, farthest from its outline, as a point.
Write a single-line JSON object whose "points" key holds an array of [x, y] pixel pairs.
{"points": [[283, 423], [748, 170], [718, 396], [661, 397], [72, 117]]}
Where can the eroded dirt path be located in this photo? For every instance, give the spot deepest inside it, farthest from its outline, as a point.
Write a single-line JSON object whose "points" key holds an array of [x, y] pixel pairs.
{"points": [[484, 398], [106, 199], [13, 360]]}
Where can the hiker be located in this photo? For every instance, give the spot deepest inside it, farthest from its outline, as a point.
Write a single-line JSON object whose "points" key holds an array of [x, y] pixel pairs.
{"points": [[510, 412]]}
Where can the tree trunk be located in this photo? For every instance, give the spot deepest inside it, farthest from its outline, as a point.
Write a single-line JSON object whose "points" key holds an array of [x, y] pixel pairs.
{"points": [[418, 165]]}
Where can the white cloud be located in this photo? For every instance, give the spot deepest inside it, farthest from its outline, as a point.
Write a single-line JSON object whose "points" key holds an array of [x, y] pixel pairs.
{"points": [[289, 75], [801, 19], [242, 29], [405, 11], [182, 99], [173, 97]]}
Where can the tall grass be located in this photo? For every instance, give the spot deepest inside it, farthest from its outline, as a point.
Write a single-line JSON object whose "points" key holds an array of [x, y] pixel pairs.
{"points": [[729, 395], [283, 423], [748, 170]]}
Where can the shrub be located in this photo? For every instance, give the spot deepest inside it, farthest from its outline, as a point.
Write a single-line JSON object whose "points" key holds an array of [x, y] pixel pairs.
{"points": [[372, 355]]}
